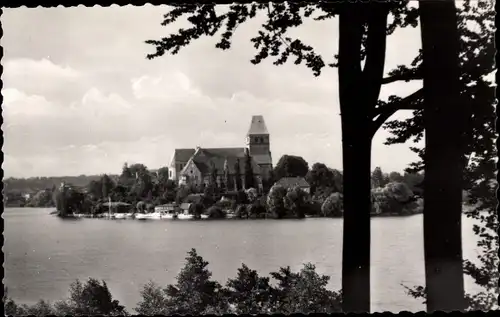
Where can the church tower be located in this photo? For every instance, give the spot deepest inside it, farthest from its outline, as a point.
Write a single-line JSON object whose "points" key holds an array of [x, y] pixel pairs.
{"points": [[258, 142], [259, 146]]}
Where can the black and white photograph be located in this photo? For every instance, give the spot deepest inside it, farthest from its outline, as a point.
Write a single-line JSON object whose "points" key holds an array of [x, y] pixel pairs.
{"points": [[249, 158]]}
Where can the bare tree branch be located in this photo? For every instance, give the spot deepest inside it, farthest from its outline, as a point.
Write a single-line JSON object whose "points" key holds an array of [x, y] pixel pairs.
{"points": [[401, 77]]}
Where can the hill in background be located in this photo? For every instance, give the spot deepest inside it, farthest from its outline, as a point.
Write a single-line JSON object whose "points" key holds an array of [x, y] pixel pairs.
{"points": [[35, 184]]}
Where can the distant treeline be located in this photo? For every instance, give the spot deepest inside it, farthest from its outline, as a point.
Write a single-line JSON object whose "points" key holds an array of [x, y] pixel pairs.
{"points": [[35, 184], [393, 193]]}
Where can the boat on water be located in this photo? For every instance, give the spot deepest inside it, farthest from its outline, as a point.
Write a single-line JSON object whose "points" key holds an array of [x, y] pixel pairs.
{"points": [[116, 210], [166, 208], [168, 215], [203, 216], [151, 215], [184, 216]]}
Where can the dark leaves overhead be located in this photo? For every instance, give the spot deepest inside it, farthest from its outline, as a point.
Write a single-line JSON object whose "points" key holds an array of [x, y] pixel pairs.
{"points": [[271, 39], [477, 56]]}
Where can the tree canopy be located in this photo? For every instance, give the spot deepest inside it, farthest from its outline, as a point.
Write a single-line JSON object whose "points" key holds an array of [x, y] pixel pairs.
{"points": [[291, 166], [476, 64]]}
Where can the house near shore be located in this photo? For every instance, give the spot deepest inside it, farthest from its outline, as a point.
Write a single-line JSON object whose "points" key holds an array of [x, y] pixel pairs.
{"points": [[292, 182], [185, 207], [194, 166]]}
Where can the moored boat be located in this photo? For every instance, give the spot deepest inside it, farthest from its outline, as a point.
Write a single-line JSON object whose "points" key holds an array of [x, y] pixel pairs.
{"points": [[185, 216], [155, 215], [151, 215], [166, 208], [140, 216], [168, 216]]}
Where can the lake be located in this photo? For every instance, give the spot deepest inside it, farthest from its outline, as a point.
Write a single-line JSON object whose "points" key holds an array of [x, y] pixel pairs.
{"points": [[44, 254]]}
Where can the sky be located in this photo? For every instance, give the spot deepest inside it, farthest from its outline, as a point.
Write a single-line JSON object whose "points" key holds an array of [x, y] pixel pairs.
{"points": [[80, 97]]}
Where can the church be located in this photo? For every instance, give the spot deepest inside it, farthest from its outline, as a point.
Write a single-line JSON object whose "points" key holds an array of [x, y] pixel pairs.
{"points": [[193, 166]]}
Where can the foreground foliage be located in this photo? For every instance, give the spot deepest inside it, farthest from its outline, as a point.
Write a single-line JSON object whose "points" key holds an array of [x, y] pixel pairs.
{"points": [[92, 298], [195, 293], [248, 293]]}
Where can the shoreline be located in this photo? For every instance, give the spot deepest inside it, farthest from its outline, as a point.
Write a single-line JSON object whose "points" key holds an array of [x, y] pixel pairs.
{"points": [[105, 217]]}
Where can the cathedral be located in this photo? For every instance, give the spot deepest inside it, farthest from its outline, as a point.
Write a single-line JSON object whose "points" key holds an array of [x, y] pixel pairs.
{"points": [[193, 166]]}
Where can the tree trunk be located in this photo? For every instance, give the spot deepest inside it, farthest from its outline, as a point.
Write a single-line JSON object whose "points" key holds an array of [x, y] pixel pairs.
{"points": [[357, 206], [358, 92], [443, 122]]}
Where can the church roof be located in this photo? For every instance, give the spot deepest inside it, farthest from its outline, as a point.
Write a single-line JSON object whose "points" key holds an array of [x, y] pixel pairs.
{"points": [[223, 152], [204, 159], [183, 155], [258, 126]]}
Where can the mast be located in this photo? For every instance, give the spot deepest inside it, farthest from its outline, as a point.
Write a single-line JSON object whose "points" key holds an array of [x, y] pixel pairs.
{"points": [[109, 202]]}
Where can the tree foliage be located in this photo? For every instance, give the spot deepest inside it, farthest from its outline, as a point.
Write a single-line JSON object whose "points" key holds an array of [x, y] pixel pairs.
{"points": [[320, 177], [332, 206], [247, 293], [107, 185], [42, 198], [237, 175], [378, 179], [476, 63], [228, 180], [291, 166], [249, 177], [296, 202], [69, 200], [304, 292], [90, 299], [394, 198], [252, 194], [275, 201], [272, 40]]}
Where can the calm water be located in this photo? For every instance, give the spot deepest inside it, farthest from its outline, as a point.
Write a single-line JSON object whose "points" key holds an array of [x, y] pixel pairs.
{"points": [[44, 254]]}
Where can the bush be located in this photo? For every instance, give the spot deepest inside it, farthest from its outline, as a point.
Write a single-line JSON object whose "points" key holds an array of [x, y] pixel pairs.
{"points": [[249, 293], [196, 209], [394, 198], [304, 292], [322, 193], [313, 208], [154, 301], [91, 299], [215, 213], [241, 211], [182, 193], [275, 201], [252, 195], [195, 293], [333, 205], [241, 197], [234, 205], [42, 198], [296, 201], [256, 209], [225, 204]]}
